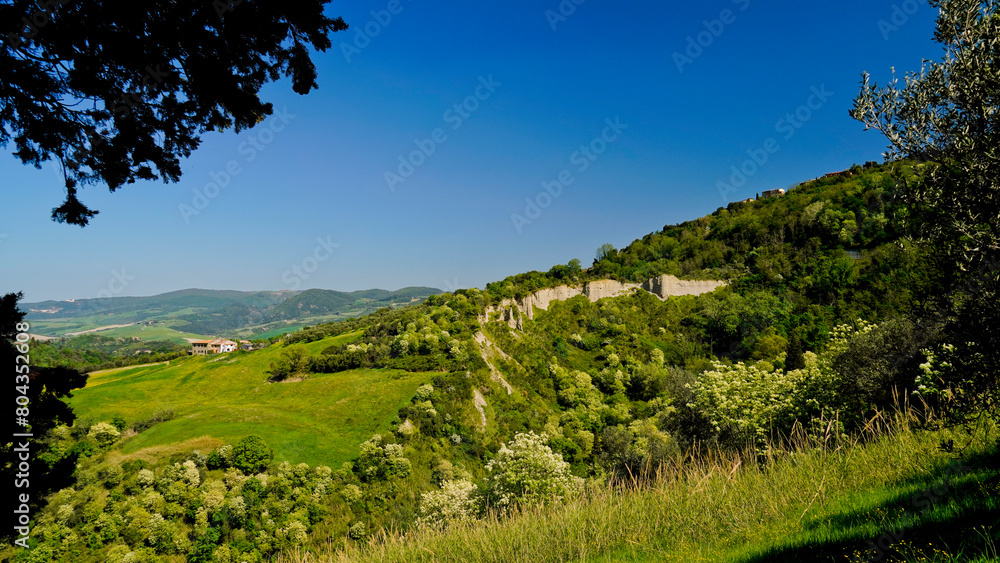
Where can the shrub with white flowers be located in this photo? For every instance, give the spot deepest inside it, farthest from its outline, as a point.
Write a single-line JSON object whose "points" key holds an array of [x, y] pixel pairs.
{"points": [[145, 478], [754, 398], [424, 392], [379, 460], [455, 501], [104, 434], [930, 381], [357, 531], [351, 493], [526, 470], [190, 473]]}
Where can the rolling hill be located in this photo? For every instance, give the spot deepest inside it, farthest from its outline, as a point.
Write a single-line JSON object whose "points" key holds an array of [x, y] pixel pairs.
{"points": [[199, 312]]}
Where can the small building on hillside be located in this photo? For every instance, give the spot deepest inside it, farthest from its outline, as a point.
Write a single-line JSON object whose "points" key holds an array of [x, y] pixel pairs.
{"points": [[216, 346], [772, 193]]}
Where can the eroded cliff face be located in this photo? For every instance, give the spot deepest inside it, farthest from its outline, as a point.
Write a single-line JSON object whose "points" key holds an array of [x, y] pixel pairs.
{"points": [[669, 286], [513, 311]]}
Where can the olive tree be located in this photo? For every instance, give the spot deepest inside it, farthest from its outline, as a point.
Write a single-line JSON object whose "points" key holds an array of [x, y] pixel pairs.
{"points": [[947, 116]]}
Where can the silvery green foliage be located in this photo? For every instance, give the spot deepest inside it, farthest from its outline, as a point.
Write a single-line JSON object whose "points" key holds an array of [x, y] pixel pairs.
{"points": [[526, 470], [947, 114]]}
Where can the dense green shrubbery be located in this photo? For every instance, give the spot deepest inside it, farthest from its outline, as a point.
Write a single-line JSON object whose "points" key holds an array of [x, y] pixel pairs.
{"points": [[425, 338], [92, 352], [251, 455], [190, 506]]}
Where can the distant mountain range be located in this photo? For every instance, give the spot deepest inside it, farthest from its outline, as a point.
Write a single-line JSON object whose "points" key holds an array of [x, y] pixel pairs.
{"points": [[212, 312]]}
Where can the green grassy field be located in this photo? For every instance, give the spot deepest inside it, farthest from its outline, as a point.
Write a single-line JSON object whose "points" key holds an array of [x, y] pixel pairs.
{"points": [[272, 332], [155, 332], [320, 420]]}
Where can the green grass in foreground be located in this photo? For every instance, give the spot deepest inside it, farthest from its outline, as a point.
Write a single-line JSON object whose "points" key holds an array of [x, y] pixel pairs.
{"points": [[320, 420], [921, 503]]}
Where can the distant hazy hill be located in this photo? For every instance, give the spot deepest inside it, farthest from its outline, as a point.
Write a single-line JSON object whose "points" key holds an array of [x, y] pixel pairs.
{"points": [[209, 312], [157, 305]]}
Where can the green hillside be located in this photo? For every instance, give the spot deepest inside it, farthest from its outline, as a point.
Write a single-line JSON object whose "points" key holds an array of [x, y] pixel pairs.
{"points": [[319, 421], [463, 410]]}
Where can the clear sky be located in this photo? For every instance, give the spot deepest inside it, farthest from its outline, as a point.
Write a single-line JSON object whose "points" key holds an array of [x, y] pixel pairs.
{"points": [[631, 113]]}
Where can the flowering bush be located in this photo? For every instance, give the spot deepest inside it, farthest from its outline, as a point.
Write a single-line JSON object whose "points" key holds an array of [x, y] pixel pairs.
{"points": [[526, 470], [145, 478], [931, 382], [379, 460], [424, 392], [104, 434], [358, 531], [752, 399], [455, 501]]}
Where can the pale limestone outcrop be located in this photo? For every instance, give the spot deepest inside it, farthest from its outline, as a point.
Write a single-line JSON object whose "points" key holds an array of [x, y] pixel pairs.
{"points": [[543, 297], [669, 286], [607, 288], [513, 311], [488, 350], [480, 403]]}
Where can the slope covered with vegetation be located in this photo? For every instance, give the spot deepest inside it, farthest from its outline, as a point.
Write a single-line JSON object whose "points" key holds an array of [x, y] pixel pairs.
{"points": [[438, 414]]}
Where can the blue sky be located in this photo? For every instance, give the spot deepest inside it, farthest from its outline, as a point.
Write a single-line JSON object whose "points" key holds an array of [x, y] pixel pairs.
{"points": [[632, 113]]}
